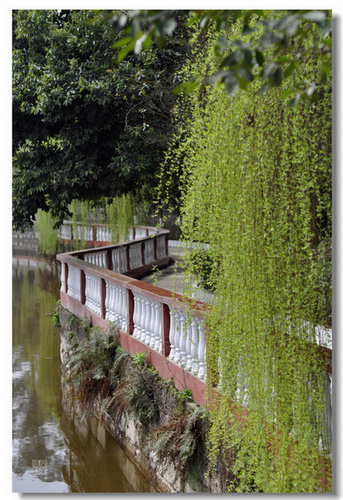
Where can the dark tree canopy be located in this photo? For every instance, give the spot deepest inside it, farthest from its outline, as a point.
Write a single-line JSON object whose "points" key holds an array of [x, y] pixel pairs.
{"points": [[85, 126]]}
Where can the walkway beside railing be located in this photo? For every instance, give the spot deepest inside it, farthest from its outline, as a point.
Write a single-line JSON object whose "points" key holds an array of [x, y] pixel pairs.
{"points": [[99, 283]]}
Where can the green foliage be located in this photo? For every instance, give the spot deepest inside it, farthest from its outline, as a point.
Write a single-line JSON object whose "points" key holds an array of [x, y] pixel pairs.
{"points": [[176, 441], [90, 365], [185, 395], [205, 268], [139, 358], [262, 50], [256, 186], [87, 325], [56, 315], [84, 127], [141, 396], [120, 215], [48, 239]]}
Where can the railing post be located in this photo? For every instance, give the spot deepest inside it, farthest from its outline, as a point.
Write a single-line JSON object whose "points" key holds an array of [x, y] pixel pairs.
{"points": [[109, 260], [130, 309], [155, 248], [165, 328], [94, 230], [103, 298], [65, 277], [83, 287], [166, 244]]}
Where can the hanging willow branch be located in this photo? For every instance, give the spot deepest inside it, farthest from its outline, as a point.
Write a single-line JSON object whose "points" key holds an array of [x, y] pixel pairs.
{"points": [[248, 191]]}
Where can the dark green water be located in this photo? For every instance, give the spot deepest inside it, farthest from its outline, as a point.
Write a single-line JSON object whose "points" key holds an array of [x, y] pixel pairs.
{"points": [[49, 454]]}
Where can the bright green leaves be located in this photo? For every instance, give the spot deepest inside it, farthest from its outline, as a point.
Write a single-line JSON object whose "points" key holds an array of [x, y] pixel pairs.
{"points": [[256, 187]]}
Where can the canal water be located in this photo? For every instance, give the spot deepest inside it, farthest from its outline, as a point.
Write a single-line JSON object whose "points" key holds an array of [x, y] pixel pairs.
{"points": [[49, 454]]}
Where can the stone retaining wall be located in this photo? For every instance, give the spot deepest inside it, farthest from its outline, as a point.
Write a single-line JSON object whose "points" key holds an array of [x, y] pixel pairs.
{"points": [[139, 439]]}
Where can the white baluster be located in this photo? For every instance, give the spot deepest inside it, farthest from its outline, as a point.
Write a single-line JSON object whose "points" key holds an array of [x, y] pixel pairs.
{"points": [[120, 306], [115, 260], [147, 321], [87, 287], [136, 316], [152, 323], [135, 255], [124, 310], [172, 333], [177, 337], [62, 276], [133, 259], [98, 296], [121, 260], [93, 303], [161, 247], [143, 318], [91, 292], [202, 351], [195, 346], [183, 336], [157, 327], [149, 251], [108, 301], [188, 348], [74, 282], [115, 303]]}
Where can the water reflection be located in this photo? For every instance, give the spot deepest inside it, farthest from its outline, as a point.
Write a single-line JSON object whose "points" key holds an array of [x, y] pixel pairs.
{"points": [[37, 436], [48, 453]]}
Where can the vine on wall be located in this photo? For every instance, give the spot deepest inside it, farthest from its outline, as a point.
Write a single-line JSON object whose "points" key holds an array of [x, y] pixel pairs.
{"points": [[256, 187]]}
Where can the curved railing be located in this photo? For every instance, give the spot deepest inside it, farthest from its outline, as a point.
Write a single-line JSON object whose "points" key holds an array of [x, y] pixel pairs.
{"points": [[101, 234], [100, 283]]}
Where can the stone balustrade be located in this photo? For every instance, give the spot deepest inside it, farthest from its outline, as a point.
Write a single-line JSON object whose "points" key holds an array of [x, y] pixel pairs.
{"points": [[100, 283], [100, 234]]}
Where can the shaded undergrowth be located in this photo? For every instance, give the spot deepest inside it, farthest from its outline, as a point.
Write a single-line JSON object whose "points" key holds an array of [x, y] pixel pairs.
{"points": [[107, 381]]}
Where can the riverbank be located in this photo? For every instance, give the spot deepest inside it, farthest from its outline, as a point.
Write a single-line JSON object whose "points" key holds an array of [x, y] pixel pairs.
{"points": [[163, 431]]}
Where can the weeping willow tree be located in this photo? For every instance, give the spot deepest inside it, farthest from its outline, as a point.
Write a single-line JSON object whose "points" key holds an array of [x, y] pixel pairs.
{"points": [[49, 242], [256, 187], [81, 217], [120, 212]]}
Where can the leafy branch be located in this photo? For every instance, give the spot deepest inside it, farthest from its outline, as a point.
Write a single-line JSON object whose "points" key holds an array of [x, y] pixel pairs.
{"points": [[267, 54]]}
